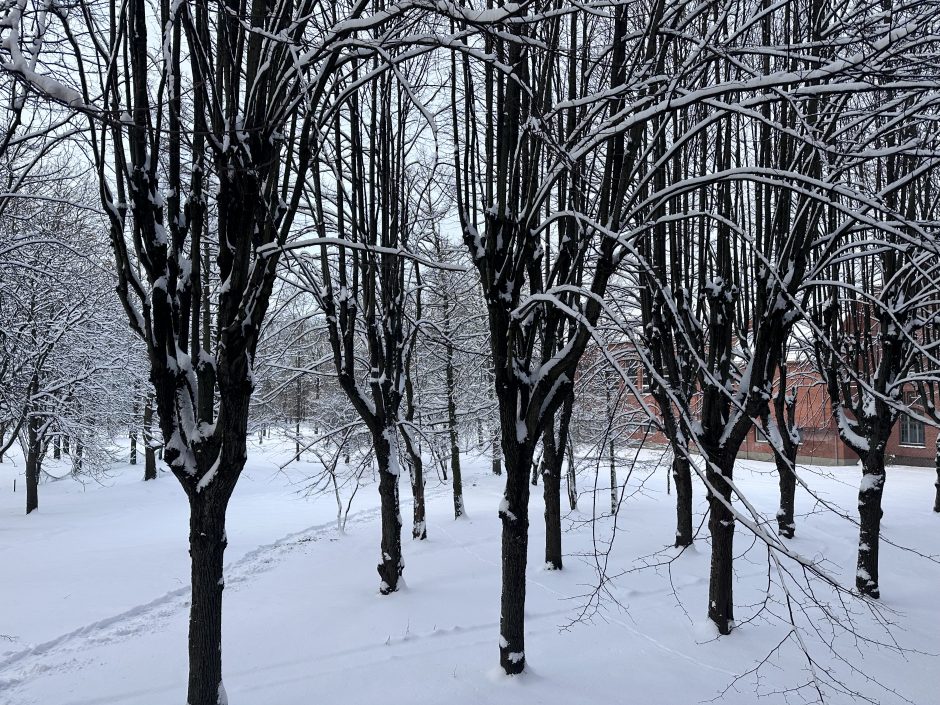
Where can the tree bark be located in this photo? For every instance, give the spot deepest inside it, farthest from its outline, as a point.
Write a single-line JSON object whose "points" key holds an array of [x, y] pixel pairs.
{"points": [[870, 513], [150, 460], [613, 478], [785, 420], [133, 433], [551, 491], [33, 465], [514, 513], [391, 565], [206, 549], [785, 523], [450, 378], [936, 501], [682, 476], [721, 526], [419, 529], [455, 454], [552, 459], [496, 457], [572, 478]]}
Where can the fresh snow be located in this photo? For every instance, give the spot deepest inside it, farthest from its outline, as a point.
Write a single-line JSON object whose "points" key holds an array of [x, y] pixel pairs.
{"points": [[96, 600]]}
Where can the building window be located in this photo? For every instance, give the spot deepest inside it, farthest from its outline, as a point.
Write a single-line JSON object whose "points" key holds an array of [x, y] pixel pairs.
{"points": [[631, 373], [760, 436], [912, 431]]}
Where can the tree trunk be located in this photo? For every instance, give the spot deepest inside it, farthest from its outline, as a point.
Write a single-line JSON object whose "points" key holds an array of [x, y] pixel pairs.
{"points": [[572, 478], [514, 513], [150, 460], [455, 455], [785, 456], [33, 465], [391, 565], [56, 447], [206, 549], [785, 523], [721, 526], [497, 455], [608, 384], [682, 476], [869, 511], [133, 433], [77, 458], [297, 442], [451, 381], [551, 491], [613, 478], [936, 501], [419, 529]]}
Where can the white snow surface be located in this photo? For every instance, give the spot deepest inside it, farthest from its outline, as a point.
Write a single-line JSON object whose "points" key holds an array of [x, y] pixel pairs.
{"points": [[95, 600]]}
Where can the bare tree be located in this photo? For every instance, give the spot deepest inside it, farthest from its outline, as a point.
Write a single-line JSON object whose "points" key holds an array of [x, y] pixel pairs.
{"points": [[230, 110]]}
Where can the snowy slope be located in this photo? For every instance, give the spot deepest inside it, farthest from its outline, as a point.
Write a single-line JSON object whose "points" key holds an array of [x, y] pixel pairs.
{"points": [[94, 594]]}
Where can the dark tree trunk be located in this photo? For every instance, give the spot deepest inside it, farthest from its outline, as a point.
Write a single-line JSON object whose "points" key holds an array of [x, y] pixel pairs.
{"points": [[514, 513], [721, 526], [56, 447], [613, 478], [133, 433], [785, 455], [552, 459], [297, 442], [551, 491], [150, 460], [206, 549], [455, 460], [572, 479], [497, 456], [419, 528], [936, 501], [869, 511], [450, 378], [391, 566], [33, 466], [785, 523], [682, 476], [32, 482]]}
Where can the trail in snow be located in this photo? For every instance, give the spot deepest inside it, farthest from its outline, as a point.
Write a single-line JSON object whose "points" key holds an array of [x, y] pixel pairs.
{"points": [[18, 667]]}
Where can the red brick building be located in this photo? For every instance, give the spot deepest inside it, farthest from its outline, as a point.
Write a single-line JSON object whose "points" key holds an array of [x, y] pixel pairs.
{"points": [[912, 442]]}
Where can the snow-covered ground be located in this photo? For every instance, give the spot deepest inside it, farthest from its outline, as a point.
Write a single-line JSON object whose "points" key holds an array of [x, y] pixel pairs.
{"points": [[94, 599]]}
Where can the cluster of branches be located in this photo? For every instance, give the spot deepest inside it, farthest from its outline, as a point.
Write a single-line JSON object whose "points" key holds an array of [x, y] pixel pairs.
{"points": [[67, 364]]}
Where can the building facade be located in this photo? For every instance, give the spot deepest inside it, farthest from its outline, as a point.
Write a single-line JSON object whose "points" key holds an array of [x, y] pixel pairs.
{"points": [[912, 441]]}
